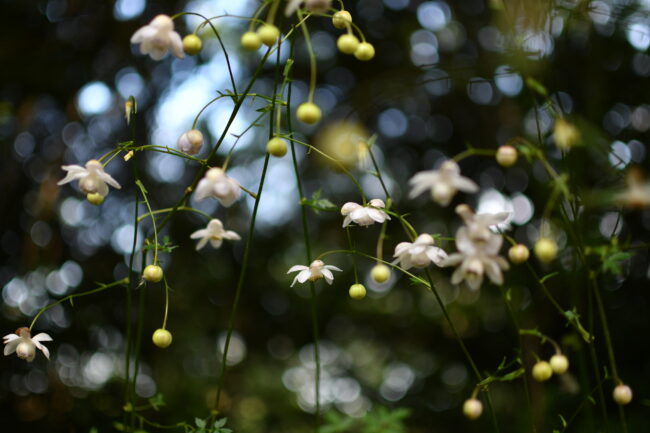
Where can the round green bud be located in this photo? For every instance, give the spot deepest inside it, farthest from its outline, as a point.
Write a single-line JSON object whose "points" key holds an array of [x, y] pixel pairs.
{"points": [[518, 253], [347, 43], [364, 52], [162, 338], [472, 408], [251, 41], [506, 155], [95, 198], [559, 363], [622, 394], [357, 291], [277, 147], [153, 273], [380, 273], [192, 44], [268, 34], [309, 113], [341, 19], [542, 371], [546, 250]]}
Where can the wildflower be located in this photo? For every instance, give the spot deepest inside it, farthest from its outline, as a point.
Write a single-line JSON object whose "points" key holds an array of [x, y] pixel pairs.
{"points": [[479, 225], [313, 272], [637, 193], [217, 184], [313, 6], [419, 254], [475, 259], [191, 142], [92, 179], [25, 345], [157, 37], [444, 183], [364, 215], [214, 233]]}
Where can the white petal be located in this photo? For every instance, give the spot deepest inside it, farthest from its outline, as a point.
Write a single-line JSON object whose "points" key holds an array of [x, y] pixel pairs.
{"points": [[292, 6], [42, 348], [333, 268], [437, 255], [464, 184], [109, 180], [10, 346], [328, 275], [377, 215], [203, 189], [402, 248], [346, 221], [304, 275], [216, 243], [452, 260], [493, 272], [202, 243], [74, 172], [296, 268], [200, 234], [176, 45], [229, 234], [9, 337], [42, 337]]}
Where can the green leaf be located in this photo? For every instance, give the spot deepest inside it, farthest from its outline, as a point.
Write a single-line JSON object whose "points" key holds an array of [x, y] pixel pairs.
{"points": [[536, 86], [548, 277], [200, 423], [157, 401], [220, 422], [287, 68]]}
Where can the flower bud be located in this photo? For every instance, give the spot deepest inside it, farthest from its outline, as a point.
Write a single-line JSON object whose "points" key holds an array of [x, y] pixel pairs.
{"points": [[380, 273], [472, 408], [341, 19], [559, 363], [308, 112], [153, 273], [565, 134], [192, 44], [347, 44], [95, 198], [518, 253], [268, 34], [251, 41], [506, 155], [364, 52], [545, 249], [277, 147], [162, 338], [191, 142], [357, 291], [542, 371], [622, 394]]}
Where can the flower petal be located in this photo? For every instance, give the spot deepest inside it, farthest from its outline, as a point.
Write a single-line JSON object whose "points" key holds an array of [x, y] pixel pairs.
{"points": [[296, 268], [42, 337]]}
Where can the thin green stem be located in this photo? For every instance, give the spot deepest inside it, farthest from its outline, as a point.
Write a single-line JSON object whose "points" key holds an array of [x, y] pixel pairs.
{"points": [[143, 190]]}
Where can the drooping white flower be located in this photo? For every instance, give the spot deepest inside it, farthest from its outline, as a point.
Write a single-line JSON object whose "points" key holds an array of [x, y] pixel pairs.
{"points": [[443, 183], [418, 254], [25, 345], [217, 184], [92, 179], [214, 233], [313, 272], [158, 37], [475, 259], [191, 141], [364, 215], [478, 225], [637, 193], [313, 6]]}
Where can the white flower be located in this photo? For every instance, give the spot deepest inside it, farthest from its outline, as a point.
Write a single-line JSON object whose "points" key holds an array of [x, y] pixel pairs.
{"points": [[191, 142], [92, 179], [157, 37], [313, 272], [476, 259], [24, 345], [637, 193], [214, 233], [364, 215], [478, 226], [418, 254], [216, 184], [314, 6], [444, 183]]}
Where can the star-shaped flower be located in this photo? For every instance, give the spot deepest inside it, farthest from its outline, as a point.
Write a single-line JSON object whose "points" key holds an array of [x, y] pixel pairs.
{"points": [[478, 225], [158, 37], [214, 233], [313, 272], [443, 183], [92, 179], [418, 254], [364, 215], [25, 345], [217, 184], [476, 258]]}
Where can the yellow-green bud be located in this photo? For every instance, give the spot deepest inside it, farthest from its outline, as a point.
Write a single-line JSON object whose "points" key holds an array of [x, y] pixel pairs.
{"points": [[546, 249], [162, 338], [192, 44], [308, 112], [341, 19], [506, 155], [277, 147], [357, 291], [153, 273], [347, 43], [364, 52], [622, 394], [472, 408], [268, 34], [518, 253], [251, 41], [559, 363], [542, 371], [380, 273]]}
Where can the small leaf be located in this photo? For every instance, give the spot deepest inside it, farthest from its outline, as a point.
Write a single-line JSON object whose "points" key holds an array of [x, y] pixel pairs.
{"points": [[200, 423]]}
